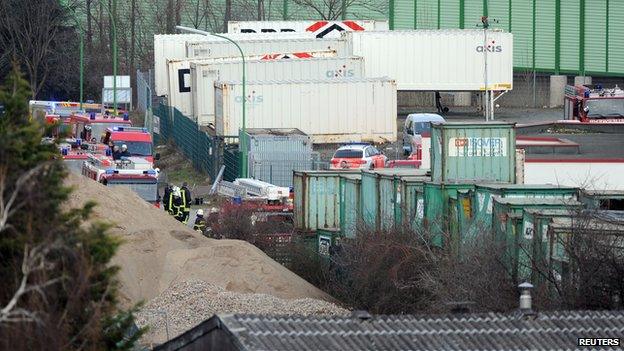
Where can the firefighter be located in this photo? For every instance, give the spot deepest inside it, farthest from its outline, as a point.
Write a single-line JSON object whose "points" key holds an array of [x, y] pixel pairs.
{"points": [[200, 221], [177, 205], [86, 133], [116, 152], [167, 198], [124, 151], [186, 201]]}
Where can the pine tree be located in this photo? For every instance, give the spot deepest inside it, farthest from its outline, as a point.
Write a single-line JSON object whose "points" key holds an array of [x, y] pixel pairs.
{"points": [[58, 288]]}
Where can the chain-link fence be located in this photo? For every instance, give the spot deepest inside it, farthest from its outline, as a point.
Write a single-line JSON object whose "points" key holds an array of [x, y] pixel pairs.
{"points": [[207, 152]]}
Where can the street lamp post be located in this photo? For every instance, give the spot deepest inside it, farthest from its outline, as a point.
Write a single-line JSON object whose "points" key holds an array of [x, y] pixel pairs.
{"points": [[113, 24], [81, 56], [241, 138]]}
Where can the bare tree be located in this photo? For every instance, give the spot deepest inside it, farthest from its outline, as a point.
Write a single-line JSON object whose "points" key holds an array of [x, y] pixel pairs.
{"points": [[27, 34], [35, 261], [228, 14], [583, 265], [336, 9]]}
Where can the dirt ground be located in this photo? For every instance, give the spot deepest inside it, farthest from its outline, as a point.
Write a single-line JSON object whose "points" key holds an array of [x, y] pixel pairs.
{"points": [[159, 252]]}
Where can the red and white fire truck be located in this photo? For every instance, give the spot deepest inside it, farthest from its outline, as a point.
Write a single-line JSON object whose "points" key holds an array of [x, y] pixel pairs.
{"points": [[133, 172], [138, 140], [594, 104], [74, 151], [93, 126]]}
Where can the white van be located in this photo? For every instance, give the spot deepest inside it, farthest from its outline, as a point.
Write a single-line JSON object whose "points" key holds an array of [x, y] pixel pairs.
{"points": [[417, 124]]}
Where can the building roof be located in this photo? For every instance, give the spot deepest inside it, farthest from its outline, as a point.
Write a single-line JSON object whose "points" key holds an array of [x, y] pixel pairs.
{"points": [[492, 331], [528, 201], [508, 186]]}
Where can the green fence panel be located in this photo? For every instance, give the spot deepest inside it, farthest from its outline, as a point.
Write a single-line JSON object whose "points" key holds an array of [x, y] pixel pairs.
{"points": [[162, 111], [231, 161]]}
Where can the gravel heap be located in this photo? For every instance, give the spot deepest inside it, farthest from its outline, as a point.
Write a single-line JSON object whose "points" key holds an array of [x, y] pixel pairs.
{"points": [[191, 302]]}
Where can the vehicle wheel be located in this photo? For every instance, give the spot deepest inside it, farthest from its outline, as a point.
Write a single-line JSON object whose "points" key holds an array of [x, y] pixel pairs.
{"points": [[372, 166]]}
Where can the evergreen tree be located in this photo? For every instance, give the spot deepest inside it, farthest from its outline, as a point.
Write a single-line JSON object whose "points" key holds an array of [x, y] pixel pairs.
{"points": [[58, 288]]}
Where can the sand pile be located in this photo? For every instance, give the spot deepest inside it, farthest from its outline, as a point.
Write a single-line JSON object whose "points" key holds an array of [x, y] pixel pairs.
{"points": [[187, 304], [160, 252]]}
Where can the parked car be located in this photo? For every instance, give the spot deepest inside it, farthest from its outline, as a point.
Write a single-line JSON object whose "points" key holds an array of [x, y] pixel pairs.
{"points": [[358, 155], [417, 124]]}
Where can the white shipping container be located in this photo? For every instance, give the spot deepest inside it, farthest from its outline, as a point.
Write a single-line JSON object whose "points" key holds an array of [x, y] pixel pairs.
{"points": [[320, 28], [204, 75], [173, 46], [269, 46], [330, 111], [436, 60], [179, 79]]}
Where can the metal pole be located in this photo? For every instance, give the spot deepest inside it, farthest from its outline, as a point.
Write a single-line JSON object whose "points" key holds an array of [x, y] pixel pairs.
{"points": [[485, 73], [110, 13], [81, 68], [242, 132], [114, 57], [81, 55]]}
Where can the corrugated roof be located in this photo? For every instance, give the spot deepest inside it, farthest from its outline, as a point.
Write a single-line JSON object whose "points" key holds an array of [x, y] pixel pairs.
{"points": [[208, 62], [535, 201], [306, 81], [523, 186], [297, 39], [492, 331], [399, 172]]}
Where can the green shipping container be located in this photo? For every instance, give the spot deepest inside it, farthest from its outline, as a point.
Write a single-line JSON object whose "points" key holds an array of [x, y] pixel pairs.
{"points": [[381, 198], [477, 152], [441, 211], [485, 193], [603, 199], [326, 239], [608, 225], [412, 211], [317, 199], [350, 204], [535, 224], [507, 219]]}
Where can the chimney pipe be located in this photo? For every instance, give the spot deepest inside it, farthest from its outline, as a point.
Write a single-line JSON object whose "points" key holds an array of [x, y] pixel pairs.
{"points": [[526, 304]]}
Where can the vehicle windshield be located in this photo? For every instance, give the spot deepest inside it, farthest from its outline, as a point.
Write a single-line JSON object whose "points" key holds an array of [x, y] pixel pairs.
{"points": [[98, 129], [422, 127], [348, 153], [605, 108], [136, 148], [74, 165], [147, 189]]}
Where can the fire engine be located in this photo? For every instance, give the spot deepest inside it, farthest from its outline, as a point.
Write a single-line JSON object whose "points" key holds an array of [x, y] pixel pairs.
{"points": [[133, 172], [75, 151], [65, 108], [138, 140], [594, 104], [93, 126]]}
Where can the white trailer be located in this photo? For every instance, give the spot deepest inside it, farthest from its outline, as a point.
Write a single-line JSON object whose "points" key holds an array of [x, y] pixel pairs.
{"points": [[204, 75], [268, 46], [320, 28], [586, 173], [437, 60], [330, 111], [173, 46], [179, 78]]}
